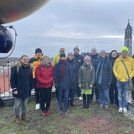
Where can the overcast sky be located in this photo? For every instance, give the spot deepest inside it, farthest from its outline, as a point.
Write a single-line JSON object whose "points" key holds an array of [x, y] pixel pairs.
{"points": [[66, 23]]}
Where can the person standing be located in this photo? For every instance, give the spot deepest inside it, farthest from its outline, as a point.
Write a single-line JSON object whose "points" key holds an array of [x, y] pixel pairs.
{"points": [[113, 91], [22, 83], [36, 60], [86, 81], [73, 76], [44, 75], [122, 65], [94, 60], [104, 79], [80, 60], [62, 82]]}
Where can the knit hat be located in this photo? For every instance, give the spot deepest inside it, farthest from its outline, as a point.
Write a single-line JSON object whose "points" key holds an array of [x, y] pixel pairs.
{"points": [[45, 56], [124, 49], [103, 51], [76, 48], [38, 50], [70, 53], [62, 55], [87, 58], [93, 49]]}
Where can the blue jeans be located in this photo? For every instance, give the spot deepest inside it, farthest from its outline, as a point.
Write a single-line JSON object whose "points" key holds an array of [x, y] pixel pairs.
{"points": [[122, 93], [104, 97], [17, 103], [60, 93]]}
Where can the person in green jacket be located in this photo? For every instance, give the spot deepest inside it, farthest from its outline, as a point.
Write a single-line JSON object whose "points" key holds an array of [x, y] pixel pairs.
{"points": [[86, 81]]}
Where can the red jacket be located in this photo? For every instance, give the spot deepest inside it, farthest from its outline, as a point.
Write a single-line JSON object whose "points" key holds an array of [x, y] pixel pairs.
{"points": [[44, 76]]}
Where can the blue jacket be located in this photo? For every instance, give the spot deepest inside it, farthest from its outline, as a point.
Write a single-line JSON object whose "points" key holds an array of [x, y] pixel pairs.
{"points": [[74, 68], [106, 75], [22, 81], [65, 83], [79, 59]]}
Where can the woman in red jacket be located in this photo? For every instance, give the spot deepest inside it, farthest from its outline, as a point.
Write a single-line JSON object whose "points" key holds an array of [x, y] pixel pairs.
{"points": [[44, 75]]}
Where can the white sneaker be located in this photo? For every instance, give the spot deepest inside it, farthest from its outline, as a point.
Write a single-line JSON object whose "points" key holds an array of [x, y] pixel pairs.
{"points": [[124, 110], [37, 106], [120, 110], [80, 98]]}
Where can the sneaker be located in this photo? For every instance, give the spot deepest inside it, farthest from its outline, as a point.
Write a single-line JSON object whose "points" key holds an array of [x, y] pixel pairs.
{"points": [[60, 112], [47, 113], [124, 110], [43, 113], [101, 106], [67, 111], [106, 107], [120, 110], [80, 98], [37, 107], [88, 108], [84, 107]]}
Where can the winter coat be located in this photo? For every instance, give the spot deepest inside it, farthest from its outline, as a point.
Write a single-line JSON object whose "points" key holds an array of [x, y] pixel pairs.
{"points": [[35, 61], [120, 71], [86, 76], [79, 59], [94, 59], [65, 83], [106, 75], [44, 76], [22, 81], [74, 68]]}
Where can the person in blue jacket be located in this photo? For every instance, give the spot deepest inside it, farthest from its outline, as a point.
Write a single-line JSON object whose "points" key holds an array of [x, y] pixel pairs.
{"points": [[104, 79], [22, 83], [74, 68], [62, 82]]}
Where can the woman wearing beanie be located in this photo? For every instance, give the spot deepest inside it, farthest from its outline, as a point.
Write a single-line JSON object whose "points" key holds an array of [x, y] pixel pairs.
{"points": [[45, 74], [113, 91], [62, 82], [103, 79], [86, 81]]}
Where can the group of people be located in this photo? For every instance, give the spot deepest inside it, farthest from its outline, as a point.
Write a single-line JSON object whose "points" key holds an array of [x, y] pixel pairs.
{"points": [[107, 77]]}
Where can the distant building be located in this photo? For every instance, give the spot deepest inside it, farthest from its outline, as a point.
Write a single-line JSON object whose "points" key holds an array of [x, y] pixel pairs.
{"points": [[128, 38]]}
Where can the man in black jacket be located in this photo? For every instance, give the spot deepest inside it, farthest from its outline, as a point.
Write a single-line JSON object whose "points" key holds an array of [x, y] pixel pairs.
{"points": [[22, 84], [80, 60]]}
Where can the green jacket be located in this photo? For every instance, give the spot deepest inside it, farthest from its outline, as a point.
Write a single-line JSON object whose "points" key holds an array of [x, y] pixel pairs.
{"points": [[86, 76]]}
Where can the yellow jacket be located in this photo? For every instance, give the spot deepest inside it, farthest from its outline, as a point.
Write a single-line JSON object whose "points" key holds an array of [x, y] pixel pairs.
{"points": [[120, 71], [35, 61]]}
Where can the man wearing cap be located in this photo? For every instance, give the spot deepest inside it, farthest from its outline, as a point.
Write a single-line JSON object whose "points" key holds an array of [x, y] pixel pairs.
{"points": [[36, 60], [94, 60], [103, 79], [80, 60], [73, 76], [122, 65]]}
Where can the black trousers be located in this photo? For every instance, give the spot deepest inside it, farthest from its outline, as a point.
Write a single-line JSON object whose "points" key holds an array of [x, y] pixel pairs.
{"points": [[45, 98], [113, 93], [86, 100], [37, 94], [96, 91]]}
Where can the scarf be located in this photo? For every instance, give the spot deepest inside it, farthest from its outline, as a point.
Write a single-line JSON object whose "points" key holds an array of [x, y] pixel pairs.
{"points": [[61, 69], [99, 71], [45, 65]]}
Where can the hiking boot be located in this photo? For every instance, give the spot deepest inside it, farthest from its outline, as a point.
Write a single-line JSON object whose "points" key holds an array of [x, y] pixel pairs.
{"points": [[67, 111], [60, 112], [101, 106], [84, 107], [18, 120], [44, 113], [24, 118], [47, 113], [120, 110], [37, 107], [124, 110], [106, 107]]}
